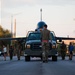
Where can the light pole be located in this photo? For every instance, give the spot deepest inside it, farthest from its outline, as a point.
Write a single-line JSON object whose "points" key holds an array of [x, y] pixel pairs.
{"points": [[12, 15], [11, 25]]}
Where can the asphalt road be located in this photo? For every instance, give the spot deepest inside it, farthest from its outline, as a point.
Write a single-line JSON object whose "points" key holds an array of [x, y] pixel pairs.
{"points": [[37, 67]]}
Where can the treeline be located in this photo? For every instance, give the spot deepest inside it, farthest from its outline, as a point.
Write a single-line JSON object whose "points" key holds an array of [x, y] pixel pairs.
{"points": [[4, 33]]}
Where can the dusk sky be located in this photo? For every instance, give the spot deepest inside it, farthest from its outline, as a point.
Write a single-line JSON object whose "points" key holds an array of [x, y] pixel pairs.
{"points": [[59, 15]]}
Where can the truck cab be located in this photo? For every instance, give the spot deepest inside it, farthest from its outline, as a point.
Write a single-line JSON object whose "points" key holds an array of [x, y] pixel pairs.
{"points": [[33, 47]]}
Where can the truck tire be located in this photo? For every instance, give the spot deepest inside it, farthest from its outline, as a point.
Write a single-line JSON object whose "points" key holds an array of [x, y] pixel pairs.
{"points": [[54, 58], [27, 58], [41, 58]]}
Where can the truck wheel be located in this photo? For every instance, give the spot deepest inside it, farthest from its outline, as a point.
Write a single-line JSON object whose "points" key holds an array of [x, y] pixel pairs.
{"points": [[54, 58], [41, 58], [27, 58]]}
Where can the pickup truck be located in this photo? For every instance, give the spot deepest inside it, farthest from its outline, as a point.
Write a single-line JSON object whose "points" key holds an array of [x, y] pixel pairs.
{"points": [[33, 46]]}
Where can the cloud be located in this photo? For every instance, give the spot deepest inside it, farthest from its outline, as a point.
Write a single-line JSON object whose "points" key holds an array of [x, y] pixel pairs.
{"points": [[56, 2], [9, 6], [19, 3]]}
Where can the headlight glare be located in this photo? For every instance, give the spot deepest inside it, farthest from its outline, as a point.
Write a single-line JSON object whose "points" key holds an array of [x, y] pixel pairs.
{"points": [[53, 46], [28, 46]]}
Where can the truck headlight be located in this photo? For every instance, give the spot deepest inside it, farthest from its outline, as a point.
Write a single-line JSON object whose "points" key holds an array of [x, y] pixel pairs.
{"points": [[28, 46], [53, 46], [0, 52]]}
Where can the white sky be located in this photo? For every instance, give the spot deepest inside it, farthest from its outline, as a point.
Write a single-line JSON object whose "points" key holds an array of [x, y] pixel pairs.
{"points": [[58, 14]]}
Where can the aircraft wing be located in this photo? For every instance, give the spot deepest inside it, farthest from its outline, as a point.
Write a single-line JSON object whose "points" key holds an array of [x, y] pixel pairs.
{"points": [[18, 38], [64, 38]]}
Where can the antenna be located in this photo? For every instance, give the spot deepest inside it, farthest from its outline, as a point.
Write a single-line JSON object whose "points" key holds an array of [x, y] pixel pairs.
{"points": [[41, 14]]}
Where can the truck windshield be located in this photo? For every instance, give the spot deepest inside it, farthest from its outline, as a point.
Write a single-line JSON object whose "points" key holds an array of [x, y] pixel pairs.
{"points": [[37, 36], [34, 36], [53, 37]]}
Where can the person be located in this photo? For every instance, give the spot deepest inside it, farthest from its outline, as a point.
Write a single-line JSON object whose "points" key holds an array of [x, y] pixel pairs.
{"points": [[63, 50], [4, 52], [70, 48], [18, 50], [11, 52], [45, 37]]}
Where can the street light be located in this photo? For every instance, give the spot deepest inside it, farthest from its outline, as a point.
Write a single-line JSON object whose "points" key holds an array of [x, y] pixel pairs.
{"points": [[12, 15], [11, 25]]}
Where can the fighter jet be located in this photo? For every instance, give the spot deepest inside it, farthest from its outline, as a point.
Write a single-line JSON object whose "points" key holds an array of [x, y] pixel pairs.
{"points": [[39, 26]]}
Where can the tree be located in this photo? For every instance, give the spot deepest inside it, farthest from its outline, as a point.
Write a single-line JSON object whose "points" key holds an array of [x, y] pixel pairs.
{"points": [[4, 33]]}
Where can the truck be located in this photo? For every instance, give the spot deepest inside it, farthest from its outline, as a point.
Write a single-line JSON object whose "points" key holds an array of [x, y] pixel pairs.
{"points": [[33, 47]]}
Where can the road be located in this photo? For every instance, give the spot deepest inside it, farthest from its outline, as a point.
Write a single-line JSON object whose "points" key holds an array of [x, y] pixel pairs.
{"points": [[37, 67]]}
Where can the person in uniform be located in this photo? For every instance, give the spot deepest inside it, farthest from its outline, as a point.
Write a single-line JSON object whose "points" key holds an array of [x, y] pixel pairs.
{"points": [[4, 52], [71, 48], [11, 50], [63, 50], [18, 50], [45, 37]]}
